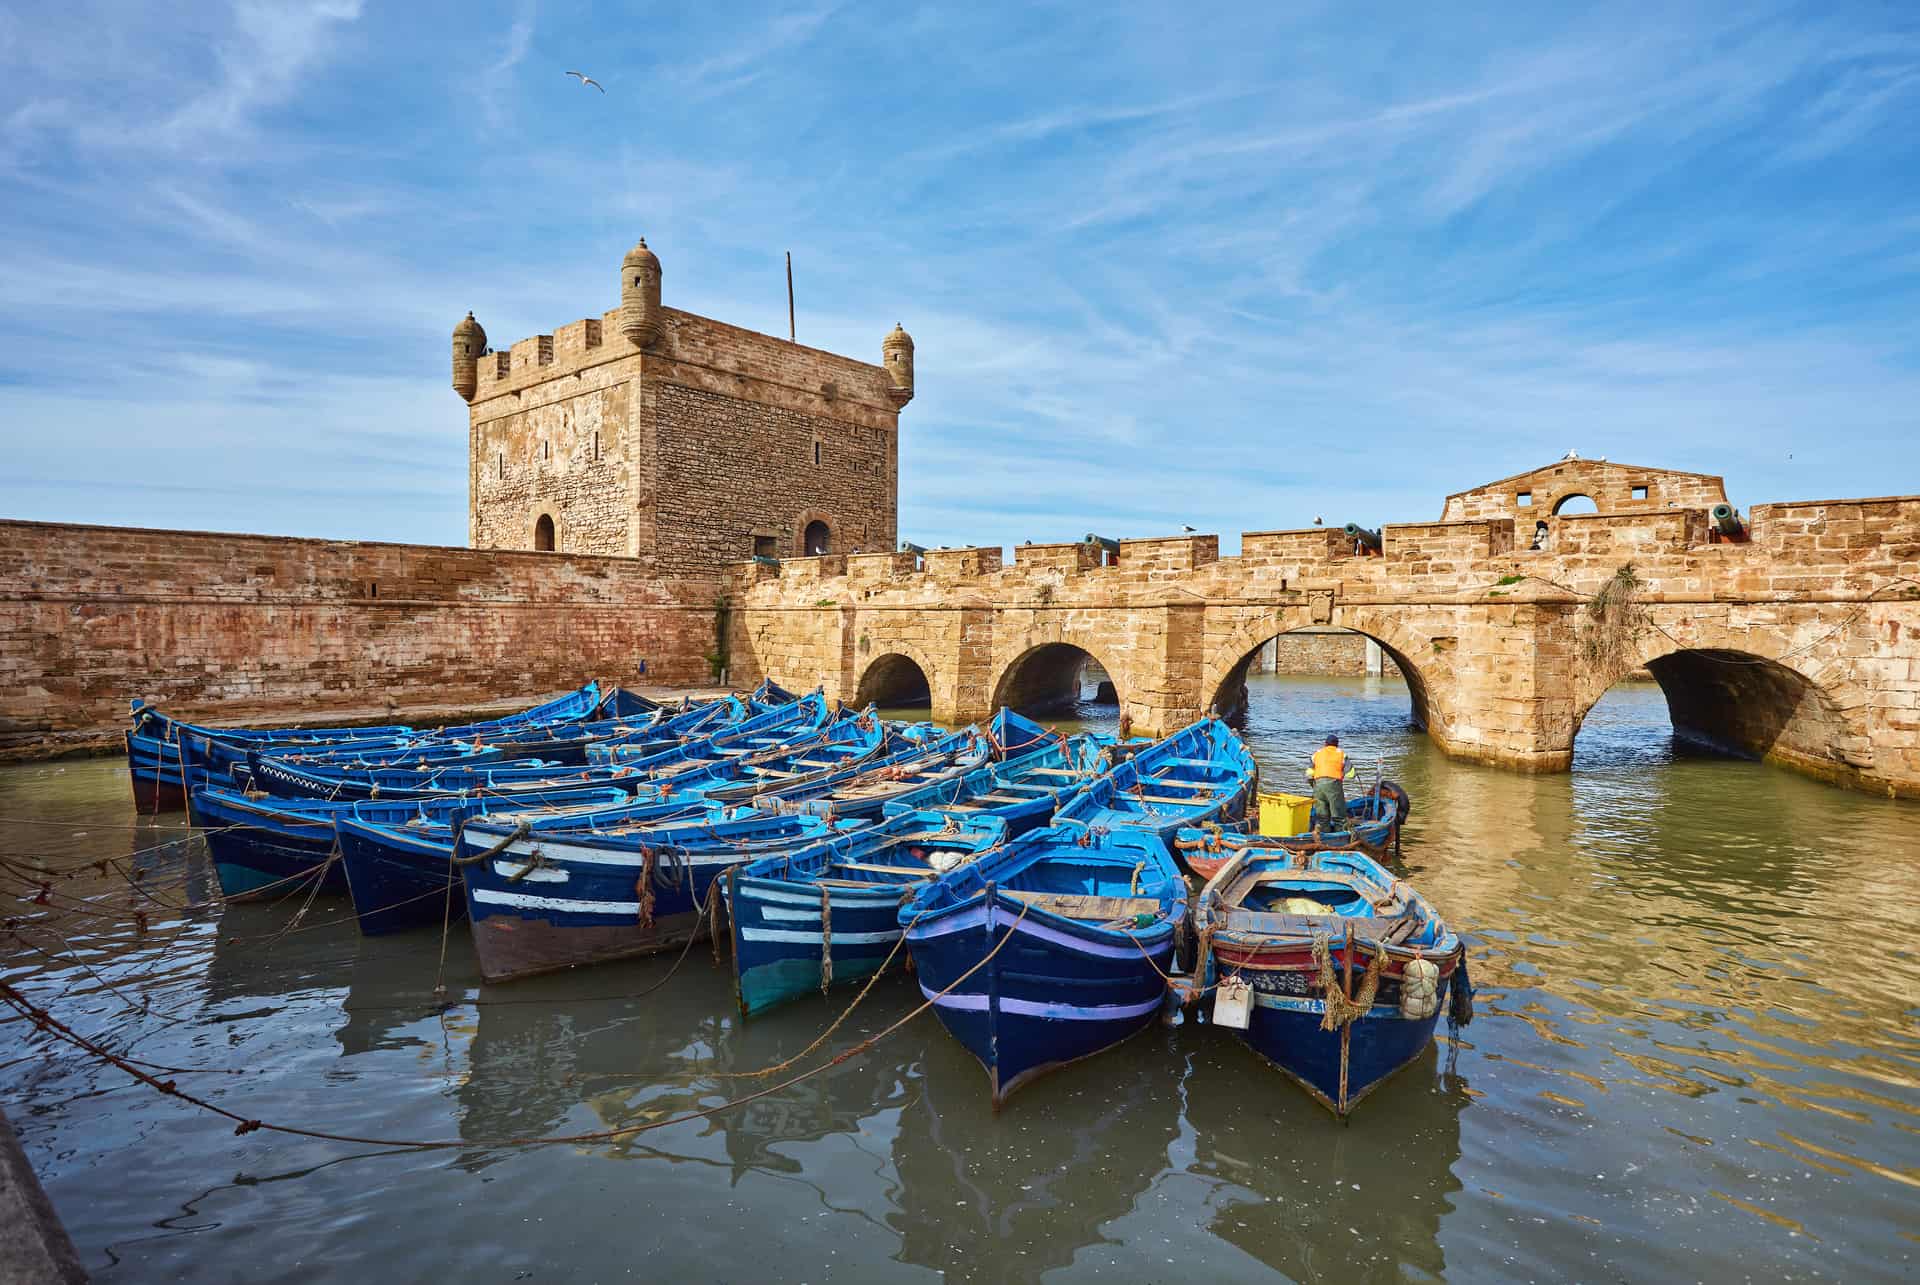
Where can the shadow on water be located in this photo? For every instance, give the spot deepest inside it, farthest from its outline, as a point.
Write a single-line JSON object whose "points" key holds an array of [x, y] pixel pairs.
{"points": [[1696, 1056]]}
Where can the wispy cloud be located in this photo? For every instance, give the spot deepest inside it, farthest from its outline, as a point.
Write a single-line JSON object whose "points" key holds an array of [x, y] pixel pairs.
{"points": [[1157, 275]]}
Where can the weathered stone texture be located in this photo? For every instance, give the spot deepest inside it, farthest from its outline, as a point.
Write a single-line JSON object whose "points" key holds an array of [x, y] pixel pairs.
{"points": [[257, 627], [1612, 488], [1800, 645], [654, 432]]}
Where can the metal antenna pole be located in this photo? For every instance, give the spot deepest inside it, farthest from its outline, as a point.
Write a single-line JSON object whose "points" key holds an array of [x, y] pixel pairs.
{"points": [[790, 334]]}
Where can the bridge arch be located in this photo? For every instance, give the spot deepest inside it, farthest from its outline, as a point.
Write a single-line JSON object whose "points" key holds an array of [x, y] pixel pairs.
{"points": [[895, 680], [1747, 691], [1425, 673], [1045, 676]]}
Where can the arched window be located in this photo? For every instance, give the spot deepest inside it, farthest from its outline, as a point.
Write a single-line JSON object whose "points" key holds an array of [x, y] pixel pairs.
{"points": [[1576, 503], [818, 539], [543, 534]]}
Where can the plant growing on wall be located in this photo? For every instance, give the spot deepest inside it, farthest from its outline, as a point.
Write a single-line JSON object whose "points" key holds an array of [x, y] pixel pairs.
{"points": [[1611, 626], [717, 659]]}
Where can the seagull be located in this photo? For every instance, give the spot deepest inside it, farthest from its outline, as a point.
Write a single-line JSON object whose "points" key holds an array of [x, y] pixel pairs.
{"points": [[1186, 528], [1571, 455], [1317, 521], [588, 80]]}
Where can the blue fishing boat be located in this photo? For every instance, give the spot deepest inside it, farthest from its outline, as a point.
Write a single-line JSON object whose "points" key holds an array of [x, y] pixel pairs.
{"points": [[1373, 828], [1201, 773], [826, 913], [160, 778], [1329, 967], [1022, 790], [740, 775], [269, 844], [863, 789], [400, 874], [764, 729], [541, 897], [1049, 950]]}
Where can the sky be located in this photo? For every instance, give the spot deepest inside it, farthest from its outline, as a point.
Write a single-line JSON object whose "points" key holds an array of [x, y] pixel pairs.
{"points": [[1234, 267]]}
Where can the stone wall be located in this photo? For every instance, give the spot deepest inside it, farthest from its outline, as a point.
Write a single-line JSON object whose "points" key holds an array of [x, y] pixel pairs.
{"points": [[266, 629], [1614, 488], [1307, 651]]}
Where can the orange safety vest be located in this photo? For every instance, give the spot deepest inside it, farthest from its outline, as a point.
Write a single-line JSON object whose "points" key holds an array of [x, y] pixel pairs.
{"points": [[1329, 764]]}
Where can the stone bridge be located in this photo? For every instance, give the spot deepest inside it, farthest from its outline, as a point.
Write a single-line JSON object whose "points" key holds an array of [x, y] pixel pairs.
{"points": [[1797, 640]]}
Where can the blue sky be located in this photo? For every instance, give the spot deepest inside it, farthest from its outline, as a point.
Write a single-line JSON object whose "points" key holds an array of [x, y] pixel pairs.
{"points": [[1234, 271]]}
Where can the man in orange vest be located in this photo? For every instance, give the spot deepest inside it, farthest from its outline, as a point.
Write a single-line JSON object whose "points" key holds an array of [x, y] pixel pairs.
{"points": [[1328, 772]]}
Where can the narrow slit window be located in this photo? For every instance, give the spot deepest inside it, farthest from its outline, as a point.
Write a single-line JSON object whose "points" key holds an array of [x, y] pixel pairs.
{"points": [[816, 455], [500, 464], [596, 444]]}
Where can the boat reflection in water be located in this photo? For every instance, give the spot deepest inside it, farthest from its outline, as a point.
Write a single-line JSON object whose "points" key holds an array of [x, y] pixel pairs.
{"points": [[986, 1197], [1316, 1199]]}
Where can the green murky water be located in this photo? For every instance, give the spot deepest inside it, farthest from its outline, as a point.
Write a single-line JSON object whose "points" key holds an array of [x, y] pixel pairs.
{"points": [[1697, 1057]]}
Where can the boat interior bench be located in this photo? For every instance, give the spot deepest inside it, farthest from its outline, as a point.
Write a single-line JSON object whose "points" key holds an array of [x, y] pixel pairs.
{"points": [[1386, 931], [1078, 905], [917, 872]]}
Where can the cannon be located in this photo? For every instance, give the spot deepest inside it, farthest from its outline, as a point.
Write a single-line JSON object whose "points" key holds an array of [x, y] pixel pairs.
{"points": [[1727, 522], [1360, 535], [917, 550], [1109, 546]]}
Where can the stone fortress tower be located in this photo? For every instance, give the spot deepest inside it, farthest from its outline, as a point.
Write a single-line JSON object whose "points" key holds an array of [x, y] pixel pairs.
{"points": [[652, 432]]}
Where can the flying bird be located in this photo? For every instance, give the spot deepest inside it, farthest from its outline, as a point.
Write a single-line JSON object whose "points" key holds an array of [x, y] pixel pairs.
{"points": [[1318, 522], [588, 80], [1186, 528]]}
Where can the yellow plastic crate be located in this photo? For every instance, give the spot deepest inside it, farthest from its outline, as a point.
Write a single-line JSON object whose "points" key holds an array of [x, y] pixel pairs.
{"points": [[1285, 813]]}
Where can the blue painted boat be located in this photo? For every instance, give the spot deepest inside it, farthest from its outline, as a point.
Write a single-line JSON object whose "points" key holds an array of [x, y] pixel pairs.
{"points": [[160, 779], [400, 874], [825, 914], [1201, 773], [864, 789], [1068, 933], [274, 845], [1306, 930], [766, 729], [544, 898], [741, 775], [332, 781], [1022, 791], [1373, 828]]}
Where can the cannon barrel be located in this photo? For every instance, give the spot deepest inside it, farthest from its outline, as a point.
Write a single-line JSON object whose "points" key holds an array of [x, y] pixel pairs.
{"points": [[1369, 538], [1725, 520], [917, 550], [1111, 546]]}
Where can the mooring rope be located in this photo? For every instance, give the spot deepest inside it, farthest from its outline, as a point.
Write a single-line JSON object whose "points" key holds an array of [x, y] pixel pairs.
{"points": [[46, 1021]]}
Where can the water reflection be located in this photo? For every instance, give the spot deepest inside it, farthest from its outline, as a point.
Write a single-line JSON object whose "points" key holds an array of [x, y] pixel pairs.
{"points": [[1697, 1056]]}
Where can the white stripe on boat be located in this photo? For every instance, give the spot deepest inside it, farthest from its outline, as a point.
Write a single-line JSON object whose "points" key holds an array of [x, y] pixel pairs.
{"points": [[572, 905], [794, 934], [1034, 1008], [529, 874], [974, 916]]}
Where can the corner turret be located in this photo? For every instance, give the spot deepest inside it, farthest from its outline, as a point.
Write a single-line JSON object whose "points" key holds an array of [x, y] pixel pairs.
{"points": [[469, 341], [896, 354], [640, 295]]}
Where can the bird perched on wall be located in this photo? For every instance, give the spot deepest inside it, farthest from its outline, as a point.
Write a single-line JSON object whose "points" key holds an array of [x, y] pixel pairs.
{"points": [[588, 80], [1187, 529], [1571, 455]]}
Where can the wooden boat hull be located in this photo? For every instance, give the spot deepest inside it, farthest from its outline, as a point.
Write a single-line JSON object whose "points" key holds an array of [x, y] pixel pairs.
{"points": [[784, 946], [398, 880], [1052, 995], [258, 853], [1284, 1024], [575, 901]]}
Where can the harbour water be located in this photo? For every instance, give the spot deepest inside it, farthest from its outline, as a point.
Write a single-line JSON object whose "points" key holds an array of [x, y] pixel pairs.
{"points": [[1696, 1057]]}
